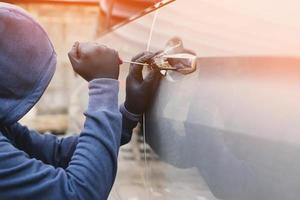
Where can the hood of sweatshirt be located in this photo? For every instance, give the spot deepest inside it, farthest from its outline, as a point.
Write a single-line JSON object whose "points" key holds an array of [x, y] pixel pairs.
{"points": [[27, 63]]}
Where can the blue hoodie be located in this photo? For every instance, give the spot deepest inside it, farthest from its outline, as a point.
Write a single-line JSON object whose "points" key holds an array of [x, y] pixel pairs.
{"points": [[34, 166]]}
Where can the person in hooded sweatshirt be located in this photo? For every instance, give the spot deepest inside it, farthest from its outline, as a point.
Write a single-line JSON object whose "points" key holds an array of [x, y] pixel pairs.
{"points": [[37, 167]]}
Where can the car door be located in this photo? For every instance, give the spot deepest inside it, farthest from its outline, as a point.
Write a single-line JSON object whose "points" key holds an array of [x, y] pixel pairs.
{"points": [[231, 128]]}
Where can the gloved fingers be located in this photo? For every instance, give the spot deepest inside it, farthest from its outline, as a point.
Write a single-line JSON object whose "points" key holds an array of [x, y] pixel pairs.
{"points": [[152, 80], [145, 56], [74, 54], [136, 71], [119, 59]]}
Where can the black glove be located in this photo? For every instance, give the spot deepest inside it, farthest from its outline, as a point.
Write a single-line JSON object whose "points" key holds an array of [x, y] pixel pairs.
{"points": [[140, 91], [91, 61]]}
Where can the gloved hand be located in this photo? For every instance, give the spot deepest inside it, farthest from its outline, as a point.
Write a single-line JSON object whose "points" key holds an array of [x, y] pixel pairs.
{"points": [[91, 61], [139, 91]]}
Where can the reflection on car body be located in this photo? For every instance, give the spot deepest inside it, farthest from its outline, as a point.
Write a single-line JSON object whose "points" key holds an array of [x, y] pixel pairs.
{"points": [[236, 118]]}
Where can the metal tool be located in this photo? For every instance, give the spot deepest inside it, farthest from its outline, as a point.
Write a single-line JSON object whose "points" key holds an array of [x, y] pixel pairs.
{"points": [[136, 63], [163, 53]]}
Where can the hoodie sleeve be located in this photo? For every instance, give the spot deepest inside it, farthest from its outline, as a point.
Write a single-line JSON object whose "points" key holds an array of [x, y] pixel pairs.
{"points": [[45, 147], [53, 150], [92, 169]]}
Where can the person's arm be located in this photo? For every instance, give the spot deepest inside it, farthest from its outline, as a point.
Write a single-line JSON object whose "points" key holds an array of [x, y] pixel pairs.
{"points": [[139, 94], [128, 124], [45, 147], [58, 152], [53, 150], [92, 169], [93, 166]]}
